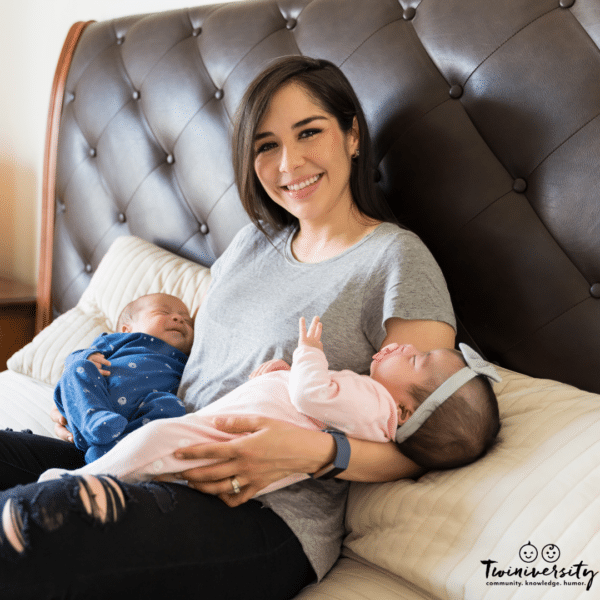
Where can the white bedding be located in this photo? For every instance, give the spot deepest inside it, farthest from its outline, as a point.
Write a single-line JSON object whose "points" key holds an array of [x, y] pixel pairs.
{"points": [[25, 403], [423, 540]]}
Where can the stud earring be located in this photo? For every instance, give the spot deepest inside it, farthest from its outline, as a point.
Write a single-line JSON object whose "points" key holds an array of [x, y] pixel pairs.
{"points": [[356, 154]]}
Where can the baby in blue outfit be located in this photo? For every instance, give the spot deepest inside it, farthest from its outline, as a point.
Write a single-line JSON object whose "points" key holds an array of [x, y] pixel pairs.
{"points": [[146, 358]]}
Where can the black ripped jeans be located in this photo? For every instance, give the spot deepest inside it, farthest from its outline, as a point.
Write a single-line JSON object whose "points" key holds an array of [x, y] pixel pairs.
{"points": [[95, 537]]}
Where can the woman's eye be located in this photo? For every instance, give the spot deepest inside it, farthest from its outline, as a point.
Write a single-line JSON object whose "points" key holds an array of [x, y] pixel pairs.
{"points": [[308, 133], [265, 147]]}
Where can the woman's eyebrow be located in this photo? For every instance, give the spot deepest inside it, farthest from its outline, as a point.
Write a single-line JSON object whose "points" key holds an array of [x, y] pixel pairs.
{"points": [[302, 123], [308, 120]]}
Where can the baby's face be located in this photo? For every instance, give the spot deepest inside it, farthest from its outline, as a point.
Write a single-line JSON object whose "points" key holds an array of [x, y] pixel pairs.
{"points": [[398, 367], [166, 318]]}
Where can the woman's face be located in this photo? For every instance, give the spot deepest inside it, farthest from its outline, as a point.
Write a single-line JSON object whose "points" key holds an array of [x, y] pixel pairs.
{"points": [[303, 158]]}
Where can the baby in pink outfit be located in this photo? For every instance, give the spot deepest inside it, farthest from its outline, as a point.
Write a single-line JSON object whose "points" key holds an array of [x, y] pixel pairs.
{"points": [[434, 394]]}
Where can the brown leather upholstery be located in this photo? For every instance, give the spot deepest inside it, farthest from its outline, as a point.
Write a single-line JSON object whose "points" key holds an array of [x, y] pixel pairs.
{"points": [[484, 116]]}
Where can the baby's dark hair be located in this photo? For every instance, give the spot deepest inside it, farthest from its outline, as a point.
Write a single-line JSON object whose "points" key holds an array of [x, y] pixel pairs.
{"points": [[460, 431]]}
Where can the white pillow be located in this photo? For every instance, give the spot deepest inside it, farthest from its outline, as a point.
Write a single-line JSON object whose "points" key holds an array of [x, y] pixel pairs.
{"points": [[132, 267], [539, 485]]}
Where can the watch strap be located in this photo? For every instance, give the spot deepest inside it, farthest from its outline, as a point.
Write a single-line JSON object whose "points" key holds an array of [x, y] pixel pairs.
{"points": [[342, 456]]}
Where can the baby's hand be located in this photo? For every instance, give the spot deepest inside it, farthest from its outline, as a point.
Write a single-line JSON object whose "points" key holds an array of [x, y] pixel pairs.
{"points": [[313, 337], [100, 362]]}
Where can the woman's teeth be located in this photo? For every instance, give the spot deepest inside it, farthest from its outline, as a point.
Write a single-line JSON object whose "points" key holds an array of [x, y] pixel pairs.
{"points": [[296, 187]]}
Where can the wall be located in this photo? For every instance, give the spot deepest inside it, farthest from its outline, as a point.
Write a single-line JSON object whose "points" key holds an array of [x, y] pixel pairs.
{"points": [[32, 33]]}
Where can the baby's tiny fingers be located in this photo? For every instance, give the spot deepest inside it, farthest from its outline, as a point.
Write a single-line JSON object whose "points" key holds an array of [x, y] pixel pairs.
{"points": [[315, 328], [302, 328]]}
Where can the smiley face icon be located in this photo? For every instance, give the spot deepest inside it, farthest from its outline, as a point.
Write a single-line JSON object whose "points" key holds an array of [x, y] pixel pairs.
{"points": [[528, 552], [550, 553]]}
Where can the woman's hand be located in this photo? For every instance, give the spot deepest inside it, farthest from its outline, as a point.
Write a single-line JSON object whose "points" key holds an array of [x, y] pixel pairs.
{"points": [[270, 451], [275, 364], [60, 425]]}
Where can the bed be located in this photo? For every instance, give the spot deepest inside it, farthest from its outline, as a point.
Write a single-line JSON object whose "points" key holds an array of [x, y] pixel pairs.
{"points": [[486, 122]]}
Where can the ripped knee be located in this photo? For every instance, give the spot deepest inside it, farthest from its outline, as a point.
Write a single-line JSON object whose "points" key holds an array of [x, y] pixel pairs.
{"points": [[12, 526], [100, 499]]}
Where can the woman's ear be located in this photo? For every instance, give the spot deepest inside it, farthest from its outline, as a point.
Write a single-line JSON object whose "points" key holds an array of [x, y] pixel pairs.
{"points": [[354, 137]]}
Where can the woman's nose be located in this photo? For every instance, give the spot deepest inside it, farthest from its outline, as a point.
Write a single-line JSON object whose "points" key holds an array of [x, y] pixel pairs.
{"points": [[291, 159]]}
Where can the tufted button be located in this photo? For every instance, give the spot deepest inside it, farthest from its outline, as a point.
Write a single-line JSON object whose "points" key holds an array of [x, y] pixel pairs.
{"points": [[170, 159], [409, 13], [204, 229], [88, 268], [120, 40], [595, 290], [70, 97], [136, 95], [92, 152], [62, 207], [456, 91], [566, 3], [291, 23], [219, 94], [197, 31], [122, 218], [519, 185], [376, 176]]}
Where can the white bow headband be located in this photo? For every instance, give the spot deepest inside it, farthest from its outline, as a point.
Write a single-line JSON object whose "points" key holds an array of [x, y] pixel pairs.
{"points": [[476, 366]]}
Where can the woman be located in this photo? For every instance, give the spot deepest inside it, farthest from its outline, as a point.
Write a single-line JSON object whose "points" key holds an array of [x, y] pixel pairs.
{"points": [[321, 243]]}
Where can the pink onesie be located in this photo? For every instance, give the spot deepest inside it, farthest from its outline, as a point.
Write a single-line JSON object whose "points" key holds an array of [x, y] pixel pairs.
{"points": [[309, 395]]}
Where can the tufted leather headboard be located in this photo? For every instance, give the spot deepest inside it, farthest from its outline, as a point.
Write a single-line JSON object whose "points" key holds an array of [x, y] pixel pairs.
{"points": [[485, 117]]}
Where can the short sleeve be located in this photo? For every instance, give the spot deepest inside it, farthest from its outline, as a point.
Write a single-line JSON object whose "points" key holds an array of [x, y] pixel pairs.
{"points": [[405, 282]]}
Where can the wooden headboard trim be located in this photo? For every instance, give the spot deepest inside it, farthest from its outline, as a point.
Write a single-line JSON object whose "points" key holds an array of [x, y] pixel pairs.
{"points": [[44, 285]]}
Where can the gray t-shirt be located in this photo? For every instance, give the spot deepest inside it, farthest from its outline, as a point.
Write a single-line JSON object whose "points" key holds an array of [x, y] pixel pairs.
{"points": [[250, 315]]}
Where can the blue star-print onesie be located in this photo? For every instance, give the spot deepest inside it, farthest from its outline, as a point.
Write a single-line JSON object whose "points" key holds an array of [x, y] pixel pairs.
{"points": [[100, 410]]}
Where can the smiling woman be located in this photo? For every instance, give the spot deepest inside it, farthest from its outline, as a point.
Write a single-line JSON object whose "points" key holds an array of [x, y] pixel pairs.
{"points": [[322, 242]]}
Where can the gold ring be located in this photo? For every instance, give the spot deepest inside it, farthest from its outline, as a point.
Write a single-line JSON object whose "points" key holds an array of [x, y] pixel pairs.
{"points": [[235, 484]]}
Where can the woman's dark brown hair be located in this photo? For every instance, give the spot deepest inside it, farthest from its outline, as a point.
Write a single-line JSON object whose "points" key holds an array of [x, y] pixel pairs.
{"points": [[328, 87]]}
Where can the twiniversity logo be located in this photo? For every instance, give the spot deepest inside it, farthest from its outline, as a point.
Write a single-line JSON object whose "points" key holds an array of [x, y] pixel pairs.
{"points": [[549, 573]]}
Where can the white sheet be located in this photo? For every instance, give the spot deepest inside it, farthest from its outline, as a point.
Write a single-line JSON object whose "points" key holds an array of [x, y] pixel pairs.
{"points": [[25, 403]]}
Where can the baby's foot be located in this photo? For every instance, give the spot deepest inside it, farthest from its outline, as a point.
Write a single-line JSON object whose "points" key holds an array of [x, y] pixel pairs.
{"points": [[104, 427]]}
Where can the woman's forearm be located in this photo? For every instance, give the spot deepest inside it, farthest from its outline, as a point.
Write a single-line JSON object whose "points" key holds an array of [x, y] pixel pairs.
{"points": [[377, 462], [369, 461]]}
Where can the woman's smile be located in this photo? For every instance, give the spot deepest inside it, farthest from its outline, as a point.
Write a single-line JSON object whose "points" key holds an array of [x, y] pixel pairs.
{"points": [[304, 188], [303, 183]]}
